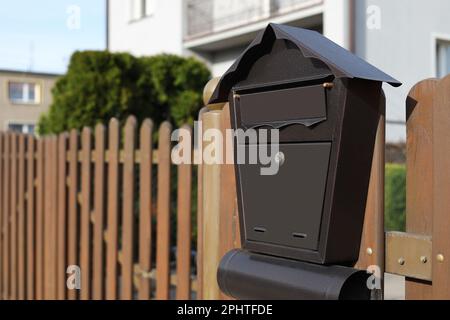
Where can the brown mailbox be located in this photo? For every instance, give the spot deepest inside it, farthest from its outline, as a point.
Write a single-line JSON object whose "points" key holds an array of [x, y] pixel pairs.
{"points": [[325, 102]]}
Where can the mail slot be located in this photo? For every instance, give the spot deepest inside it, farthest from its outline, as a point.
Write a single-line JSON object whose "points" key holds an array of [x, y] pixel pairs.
{"points": [[301, 227], [300, 105]]}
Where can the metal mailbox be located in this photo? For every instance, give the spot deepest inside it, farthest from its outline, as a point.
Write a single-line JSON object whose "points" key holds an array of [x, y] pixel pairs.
{"points": [[325, 102]]}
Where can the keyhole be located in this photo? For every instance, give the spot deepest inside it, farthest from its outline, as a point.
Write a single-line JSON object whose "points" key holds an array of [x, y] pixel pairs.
{"points": [[279, 158]]}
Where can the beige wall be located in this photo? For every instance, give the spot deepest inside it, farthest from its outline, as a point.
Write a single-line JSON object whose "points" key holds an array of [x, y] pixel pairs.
{"points": [[24, 113]]}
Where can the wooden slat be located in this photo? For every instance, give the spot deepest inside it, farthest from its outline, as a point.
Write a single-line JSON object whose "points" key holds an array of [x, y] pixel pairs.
{"points": [[372, 242], [40, 192], [145, 207], [163, 214], [229, 218], [85, 232], [99, 201], [5, 224], [72, 231], [113, 203], [21, 242], [13, 215], [211, 218], [198, 158], [62, 217], [419, 173], [127, 210], [184, 228], [54, 217], [31, 219], [441, 190], [50, 218]]}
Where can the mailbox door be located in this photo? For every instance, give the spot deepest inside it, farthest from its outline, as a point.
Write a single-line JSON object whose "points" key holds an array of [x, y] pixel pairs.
{"points": [[286, 208]]}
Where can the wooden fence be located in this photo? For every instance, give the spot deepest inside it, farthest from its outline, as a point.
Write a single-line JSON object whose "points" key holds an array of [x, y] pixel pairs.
{"points": [[103, 202], [89, 200]]}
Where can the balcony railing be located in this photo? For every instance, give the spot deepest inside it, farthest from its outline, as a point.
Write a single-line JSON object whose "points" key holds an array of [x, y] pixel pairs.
{"points": [[206, 17]]}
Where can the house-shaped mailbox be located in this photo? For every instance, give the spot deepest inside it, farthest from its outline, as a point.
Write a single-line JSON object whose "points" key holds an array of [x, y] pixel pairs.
{"points": [[326, 103]]}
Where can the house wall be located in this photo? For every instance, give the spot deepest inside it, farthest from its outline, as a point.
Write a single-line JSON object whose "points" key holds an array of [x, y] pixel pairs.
{"points": [[397, 36], [161, 32], [24, 113]]}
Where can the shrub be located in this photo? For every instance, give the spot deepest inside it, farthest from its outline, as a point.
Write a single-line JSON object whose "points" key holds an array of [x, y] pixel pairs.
{"points": [[100, 85], [395, 197]]}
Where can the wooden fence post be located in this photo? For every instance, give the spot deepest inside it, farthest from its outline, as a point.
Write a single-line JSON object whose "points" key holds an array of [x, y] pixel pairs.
{"points": [[372, 242], [211, 209], [441, 190], [419, 173]]}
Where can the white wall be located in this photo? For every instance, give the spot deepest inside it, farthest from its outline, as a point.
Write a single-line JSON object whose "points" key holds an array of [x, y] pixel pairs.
{"points": [[161, 32], [402, 46], [336, 21]]}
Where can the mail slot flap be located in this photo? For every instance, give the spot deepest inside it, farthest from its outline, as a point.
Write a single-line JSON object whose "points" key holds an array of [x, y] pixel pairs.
{"points": [[279, 108]]}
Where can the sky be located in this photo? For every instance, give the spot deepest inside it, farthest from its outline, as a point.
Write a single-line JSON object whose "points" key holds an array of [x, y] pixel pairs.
{"points": [[41, 35]]}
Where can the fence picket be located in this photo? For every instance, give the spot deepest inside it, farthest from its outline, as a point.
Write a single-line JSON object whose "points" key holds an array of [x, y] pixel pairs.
{"points": [[62, 217], [72, 232], [184, 226], [30, 218], [85, 235], [145, 208], [99, 190], [13, 215], [163, 214], [21, 242], [6, 222], [39, 220], [127, 210], [5, 206], [113, 204], [50, 218]]}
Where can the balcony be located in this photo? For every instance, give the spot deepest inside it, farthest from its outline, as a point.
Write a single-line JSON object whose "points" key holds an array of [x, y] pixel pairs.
{"points": [[210, 17]]}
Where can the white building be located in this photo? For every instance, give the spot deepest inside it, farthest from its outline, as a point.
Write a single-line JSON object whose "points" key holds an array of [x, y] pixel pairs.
{"points": [[408, 39]]}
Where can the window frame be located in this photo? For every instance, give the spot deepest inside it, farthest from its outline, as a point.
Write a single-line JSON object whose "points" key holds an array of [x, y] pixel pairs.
{"points": [[38, 90], [436, 38], [22, 123], [143, 10]]}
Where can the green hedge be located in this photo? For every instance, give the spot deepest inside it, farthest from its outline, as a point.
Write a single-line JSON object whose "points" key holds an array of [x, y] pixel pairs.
{"points": [[395, 197], [100, 85]]}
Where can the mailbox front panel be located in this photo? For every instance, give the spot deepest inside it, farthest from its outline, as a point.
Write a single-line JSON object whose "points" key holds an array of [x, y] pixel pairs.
{"points": [[286, 209]]}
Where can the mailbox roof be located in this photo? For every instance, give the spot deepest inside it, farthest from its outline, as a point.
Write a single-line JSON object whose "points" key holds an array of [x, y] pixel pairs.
{"points": [[342, 63]]}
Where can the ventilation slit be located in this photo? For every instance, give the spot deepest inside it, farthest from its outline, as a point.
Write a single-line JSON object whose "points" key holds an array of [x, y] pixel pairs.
{"points": [[299, 235], [259, 229]]}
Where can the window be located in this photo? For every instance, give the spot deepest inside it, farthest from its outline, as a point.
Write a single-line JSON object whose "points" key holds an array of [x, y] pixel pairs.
{"points": [[443, 58], [141, 8], [24, 92], [22, 128]]}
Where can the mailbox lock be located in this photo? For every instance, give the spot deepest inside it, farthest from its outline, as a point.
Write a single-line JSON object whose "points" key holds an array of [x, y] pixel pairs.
{"points": [[279, 158]]}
